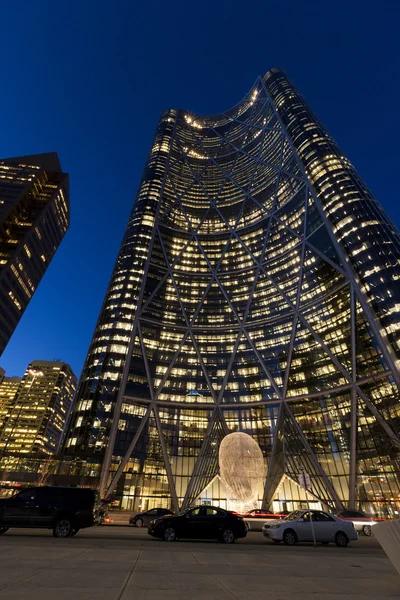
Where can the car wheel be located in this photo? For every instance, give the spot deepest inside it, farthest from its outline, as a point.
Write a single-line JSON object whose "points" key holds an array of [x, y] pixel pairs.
{"points": [[170, 534], [62, 528], [3, 530], [341, 539], [73, 532], [289, 537], [139, 523], [228, 537], [367, 530]]}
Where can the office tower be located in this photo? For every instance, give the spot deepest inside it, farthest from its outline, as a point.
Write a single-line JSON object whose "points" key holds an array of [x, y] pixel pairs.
{"points": [[9, 387], [38, 412], [256, 290], [34, 216]]}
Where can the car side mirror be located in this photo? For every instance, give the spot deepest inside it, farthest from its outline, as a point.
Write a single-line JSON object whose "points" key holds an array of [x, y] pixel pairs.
{"points": [[301, 520]]}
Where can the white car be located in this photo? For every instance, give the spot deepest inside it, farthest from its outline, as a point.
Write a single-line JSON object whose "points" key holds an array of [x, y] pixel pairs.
{"points": [[296, 527]]}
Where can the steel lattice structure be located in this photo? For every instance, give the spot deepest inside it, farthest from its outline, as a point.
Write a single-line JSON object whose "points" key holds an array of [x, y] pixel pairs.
{"points": [[255, 290]]}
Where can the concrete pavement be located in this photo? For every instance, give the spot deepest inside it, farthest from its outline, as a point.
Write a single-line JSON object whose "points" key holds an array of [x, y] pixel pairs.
{"points": [[121, 563]]}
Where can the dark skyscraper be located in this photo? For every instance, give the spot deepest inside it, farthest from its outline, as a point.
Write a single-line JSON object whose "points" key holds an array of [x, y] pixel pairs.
{"points": [[34, 216], [256, 290]]}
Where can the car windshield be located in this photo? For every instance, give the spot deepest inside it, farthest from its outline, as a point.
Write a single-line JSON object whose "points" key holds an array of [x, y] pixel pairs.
{"points": [[293, 515]]}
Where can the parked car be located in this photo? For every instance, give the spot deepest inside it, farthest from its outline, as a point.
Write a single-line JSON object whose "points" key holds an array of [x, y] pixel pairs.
{"points": [[143, 519], [361, 521], [262, 514], [65, 510], [296, 527], [200, 522]]}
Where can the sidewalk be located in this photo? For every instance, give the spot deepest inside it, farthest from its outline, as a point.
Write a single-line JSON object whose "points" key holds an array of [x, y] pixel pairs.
{"points": [[102, 563]]}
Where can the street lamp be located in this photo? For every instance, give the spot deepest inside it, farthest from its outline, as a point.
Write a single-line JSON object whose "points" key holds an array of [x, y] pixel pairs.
{"points": [[34, 373]]}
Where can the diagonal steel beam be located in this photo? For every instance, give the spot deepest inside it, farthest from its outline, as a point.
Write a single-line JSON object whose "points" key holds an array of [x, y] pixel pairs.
{"points": [[236, 184], [251, 294], [392, 435], [245, 315], [194, 317], [326, 258], [128, 454], [300, 316], [146, 362], [118, 403], [353, 407], [297, 305], [234, 310], [362, 298], [171, 483], [267, 486], [329, 487], [174, 262], [260, 161], [199, 461], [203, 367]]}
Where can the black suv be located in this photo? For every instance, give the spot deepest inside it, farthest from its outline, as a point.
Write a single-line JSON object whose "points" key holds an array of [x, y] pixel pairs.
{"points": [[65, 510]]}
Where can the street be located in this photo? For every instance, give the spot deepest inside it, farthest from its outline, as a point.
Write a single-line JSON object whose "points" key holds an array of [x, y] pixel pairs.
{"points": [[121, 563]]}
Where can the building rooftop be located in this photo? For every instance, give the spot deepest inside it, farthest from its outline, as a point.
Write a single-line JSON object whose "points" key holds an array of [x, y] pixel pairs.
{"points": [[46, 160]]}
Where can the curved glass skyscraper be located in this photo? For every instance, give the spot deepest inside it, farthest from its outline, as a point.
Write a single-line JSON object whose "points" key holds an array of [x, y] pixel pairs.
{"points": [[256, 290]]}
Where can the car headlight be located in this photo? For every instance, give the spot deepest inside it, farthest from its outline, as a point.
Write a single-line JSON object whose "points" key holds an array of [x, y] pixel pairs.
{"points": [[274, 526]]}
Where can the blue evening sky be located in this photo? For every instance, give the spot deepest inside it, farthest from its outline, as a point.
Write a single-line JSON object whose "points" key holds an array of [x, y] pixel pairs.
{"points": [[90, 78]]}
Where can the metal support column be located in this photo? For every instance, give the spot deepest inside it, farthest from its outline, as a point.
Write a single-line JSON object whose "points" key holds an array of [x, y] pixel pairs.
{"points": [[171, 483], [105, 469], [128, 454], [353, 408], [329, 487]]}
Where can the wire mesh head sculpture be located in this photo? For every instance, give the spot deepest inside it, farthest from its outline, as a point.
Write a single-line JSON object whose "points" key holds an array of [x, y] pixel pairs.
{"points": [[241, 464]]}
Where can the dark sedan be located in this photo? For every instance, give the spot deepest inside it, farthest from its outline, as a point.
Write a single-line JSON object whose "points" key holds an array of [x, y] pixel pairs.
{"points": [[361, 521], [200, 522], [143, 519], [262, 514]]}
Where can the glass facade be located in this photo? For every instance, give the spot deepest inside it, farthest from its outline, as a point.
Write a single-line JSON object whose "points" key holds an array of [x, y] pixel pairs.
{"points": [[34, 216], [34, 411], [254, 291], [9, 387]]}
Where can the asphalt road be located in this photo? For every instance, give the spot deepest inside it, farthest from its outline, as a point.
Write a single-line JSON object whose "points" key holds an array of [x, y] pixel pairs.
{"points": [[140, 535]]}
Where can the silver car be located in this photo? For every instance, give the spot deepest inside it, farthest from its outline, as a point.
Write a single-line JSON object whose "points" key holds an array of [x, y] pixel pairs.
{"points": [[296, 527]]}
